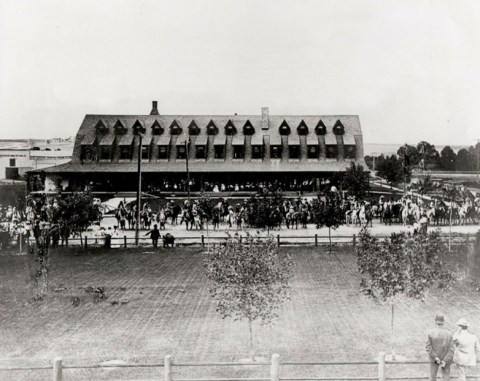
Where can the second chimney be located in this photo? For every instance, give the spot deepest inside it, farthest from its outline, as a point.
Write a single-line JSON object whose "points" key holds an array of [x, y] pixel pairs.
{"points": [[154, 108], [265, 118]]}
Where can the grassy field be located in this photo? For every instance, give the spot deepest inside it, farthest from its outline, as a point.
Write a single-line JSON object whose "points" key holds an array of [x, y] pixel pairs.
{"points": [[158, 303]]}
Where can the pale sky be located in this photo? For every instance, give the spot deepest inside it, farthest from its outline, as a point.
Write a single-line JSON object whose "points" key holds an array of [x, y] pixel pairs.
{"points": [[409, 69]]}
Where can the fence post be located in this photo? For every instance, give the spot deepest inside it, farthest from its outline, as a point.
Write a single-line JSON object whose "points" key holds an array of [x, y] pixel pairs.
{"points": [[316, 239], [81, 242], [354, 240], [203, 241], [86, 245], [168, 368], [57, 369], [66, 241], [278, 239], [275, 367], [381, 366]]}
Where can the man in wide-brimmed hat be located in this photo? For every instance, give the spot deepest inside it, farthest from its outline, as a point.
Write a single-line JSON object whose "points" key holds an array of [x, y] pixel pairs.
{"points": [[466, 344], [440, 349]]}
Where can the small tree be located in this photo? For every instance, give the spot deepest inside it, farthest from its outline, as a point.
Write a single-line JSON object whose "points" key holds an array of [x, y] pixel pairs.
{"points": [[394, 170], [452, 195], [356, 180], [249, 279], [78, 211], [264, 209], [327, 211], [401, 265]]}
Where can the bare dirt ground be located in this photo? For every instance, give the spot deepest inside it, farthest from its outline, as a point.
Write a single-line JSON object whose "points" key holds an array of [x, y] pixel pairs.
{"points": [[157, 303]]}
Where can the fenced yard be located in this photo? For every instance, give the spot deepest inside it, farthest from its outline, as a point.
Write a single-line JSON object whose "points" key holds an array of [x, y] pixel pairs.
{"points": [[157, 303]]}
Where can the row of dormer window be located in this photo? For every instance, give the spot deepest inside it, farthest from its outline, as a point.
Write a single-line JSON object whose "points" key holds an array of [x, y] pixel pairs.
{"points": [[105, 153], [212, 129]]}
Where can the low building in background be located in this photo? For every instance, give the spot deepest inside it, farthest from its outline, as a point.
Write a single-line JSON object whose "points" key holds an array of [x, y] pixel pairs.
{"points": [[18, 156], [222, 152]]}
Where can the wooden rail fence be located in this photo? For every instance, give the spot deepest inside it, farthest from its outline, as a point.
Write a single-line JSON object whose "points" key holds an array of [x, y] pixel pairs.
{"points": [[275, 365]]}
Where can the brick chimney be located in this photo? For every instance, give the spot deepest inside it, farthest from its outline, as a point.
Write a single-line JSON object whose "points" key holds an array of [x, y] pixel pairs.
{"points": [[265, 118], [154, 108]]}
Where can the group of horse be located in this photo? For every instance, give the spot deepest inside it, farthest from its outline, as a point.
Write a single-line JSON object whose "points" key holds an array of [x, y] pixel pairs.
{"points": [[408, 211]]}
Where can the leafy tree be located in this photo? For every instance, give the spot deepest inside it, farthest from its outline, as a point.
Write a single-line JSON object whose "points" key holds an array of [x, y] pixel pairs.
{"points": [[412, 153], [429, 156], [465, 160], [327, 211], [77, 211], [401, 265], [393, 170], [448, 159], [356, 180], [264, 209], [249, 279]]}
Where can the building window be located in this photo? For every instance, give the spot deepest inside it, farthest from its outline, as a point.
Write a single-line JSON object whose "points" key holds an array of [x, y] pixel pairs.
{"points": [[181, 152], [12, 162], [312, 152], [294, 152], [87, 153], [105, 152], [331, 152], [163, 152], [275, 152], [219, 152], [238, 152], [257, 152], [201, 152], [125, 153], [145, 152], [350, 152]]}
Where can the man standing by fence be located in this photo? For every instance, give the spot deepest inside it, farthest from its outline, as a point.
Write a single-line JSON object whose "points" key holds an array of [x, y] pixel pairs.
{"points": [[440, 349], [466, 344], [154, 235]]}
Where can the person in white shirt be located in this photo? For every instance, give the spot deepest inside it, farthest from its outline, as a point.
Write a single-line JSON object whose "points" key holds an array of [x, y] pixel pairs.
{"points": [[466, 344]]}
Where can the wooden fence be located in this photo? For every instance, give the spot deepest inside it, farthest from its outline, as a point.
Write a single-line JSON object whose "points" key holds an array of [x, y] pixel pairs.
{"points": [[382, 370], [202, 240]]}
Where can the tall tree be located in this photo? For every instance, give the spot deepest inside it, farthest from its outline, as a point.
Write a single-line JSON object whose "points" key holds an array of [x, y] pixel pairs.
{"points": [[356, 181], [393, 170], [448, 159], [401, 265], [412, 153], [429, 157], [249, 279], [452, 195], [465, 160]]}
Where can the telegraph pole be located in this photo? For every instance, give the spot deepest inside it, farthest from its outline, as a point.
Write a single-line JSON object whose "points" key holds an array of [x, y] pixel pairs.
{"points": [[139, 189], [187, 142], [478, 157]]}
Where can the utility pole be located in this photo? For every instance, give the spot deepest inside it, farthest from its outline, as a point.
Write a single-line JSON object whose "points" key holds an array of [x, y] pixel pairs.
{"points": [[478, 157], [139, 189], [187, 143]]}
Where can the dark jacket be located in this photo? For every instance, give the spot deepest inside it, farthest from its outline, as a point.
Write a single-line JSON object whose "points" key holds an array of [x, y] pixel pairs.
{"points": [[440, 344]]}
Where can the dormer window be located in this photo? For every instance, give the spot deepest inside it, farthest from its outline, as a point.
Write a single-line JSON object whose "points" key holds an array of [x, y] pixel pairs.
{"points": [[193, 129], [338, 128], [101, 128], [157, 128], [284, 128], [212, 129], [302, 128], [248, 128], [175, 128], [320, 128], [119, 128], [138, 127], [230, 128]]}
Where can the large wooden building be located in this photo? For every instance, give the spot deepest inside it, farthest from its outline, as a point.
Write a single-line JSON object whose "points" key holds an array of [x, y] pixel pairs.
{"points": [[221, 151]]}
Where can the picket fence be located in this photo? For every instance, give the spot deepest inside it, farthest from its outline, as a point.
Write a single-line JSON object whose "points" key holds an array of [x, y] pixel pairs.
{"points": [[381, 373]]}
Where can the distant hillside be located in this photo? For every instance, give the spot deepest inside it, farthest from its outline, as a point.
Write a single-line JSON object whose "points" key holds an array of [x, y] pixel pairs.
{"points": [[376, 149]]}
